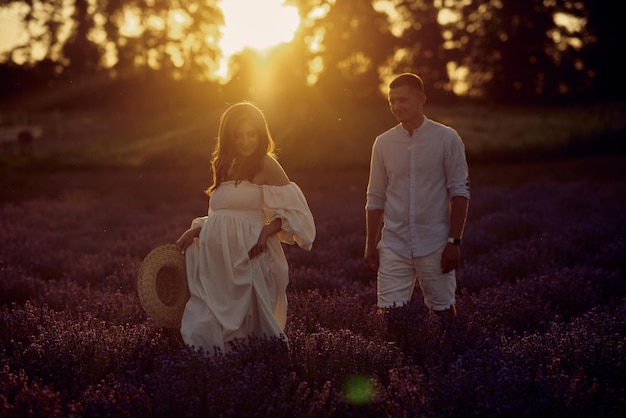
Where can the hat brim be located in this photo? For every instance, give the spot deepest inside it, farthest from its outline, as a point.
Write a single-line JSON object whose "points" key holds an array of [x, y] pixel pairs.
{"points": [[162, 285]]}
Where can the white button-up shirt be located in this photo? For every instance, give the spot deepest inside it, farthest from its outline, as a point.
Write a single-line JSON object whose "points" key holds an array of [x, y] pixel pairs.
{"points": [[413, 179]]}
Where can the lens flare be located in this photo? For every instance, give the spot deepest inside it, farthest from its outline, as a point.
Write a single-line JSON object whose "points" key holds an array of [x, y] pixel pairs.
{"points": [[358, 389]]}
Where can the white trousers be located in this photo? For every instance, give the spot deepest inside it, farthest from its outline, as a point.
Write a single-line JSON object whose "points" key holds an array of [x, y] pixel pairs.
{"points": [[397, 276]]}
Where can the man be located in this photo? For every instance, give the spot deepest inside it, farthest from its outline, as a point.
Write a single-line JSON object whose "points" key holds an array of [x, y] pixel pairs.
{"points": [[417, 201]]}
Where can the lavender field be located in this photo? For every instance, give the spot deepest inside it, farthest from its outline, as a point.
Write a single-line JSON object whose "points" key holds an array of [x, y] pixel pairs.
{"points": [[541, 303]]}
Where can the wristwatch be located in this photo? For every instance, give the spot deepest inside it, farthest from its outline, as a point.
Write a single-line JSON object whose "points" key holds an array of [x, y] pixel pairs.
{"points": [[455, 241]]}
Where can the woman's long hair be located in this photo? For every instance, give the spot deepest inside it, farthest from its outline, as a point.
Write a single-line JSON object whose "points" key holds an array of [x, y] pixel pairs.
{"points": [[225, 156]]}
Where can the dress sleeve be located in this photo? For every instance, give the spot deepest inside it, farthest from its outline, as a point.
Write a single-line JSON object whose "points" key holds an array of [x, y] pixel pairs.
{"points": [[289, 204], [198, 222]]}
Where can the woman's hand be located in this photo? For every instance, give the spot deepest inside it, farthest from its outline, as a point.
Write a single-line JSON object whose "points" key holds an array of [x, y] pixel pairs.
{"points": [[259, 247], [186, 239], [267, 231]]}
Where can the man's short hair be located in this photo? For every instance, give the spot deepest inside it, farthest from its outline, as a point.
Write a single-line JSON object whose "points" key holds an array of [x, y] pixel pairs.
{"points": [[408, 79]]}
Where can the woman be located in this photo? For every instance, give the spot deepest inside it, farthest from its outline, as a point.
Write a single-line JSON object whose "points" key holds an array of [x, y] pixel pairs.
{"points": [[236, 268]]}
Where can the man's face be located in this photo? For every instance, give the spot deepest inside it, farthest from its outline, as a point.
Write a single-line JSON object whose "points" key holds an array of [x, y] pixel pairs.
{"points": [[406, 103]]}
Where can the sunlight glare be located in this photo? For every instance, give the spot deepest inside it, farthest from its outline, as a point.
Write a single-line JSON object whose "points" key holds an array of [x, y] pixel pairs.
{"points": [[573, 26], [448, 16], [399, 22], [458, 75], [257, 24], [570, 22], [132, 24], [11, 23]]}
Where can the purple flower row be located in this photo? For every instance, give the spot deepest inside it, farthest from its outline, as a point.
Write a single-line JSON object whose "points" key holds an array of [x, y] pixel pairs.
{"points": [[542, 315]]}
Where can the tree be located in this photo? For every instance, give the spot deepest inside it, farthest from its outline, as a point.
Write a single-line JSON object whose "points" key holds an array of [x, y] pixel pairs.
{"points": [[501, 50], [354, 42], [170, 36], [606, 26], [515, 52], [82, 56], [420, 47]]}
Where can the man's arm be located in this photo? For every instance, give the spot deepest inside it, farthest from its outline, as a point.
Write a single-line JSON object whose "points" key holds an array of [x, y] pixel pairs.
{"points": [[458, 216], [373, 226]]}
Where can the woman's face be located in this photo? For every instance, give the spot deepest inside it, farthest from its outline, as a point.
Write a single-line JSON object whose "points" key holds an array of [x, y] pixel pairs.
{"points": [[246, 139]]}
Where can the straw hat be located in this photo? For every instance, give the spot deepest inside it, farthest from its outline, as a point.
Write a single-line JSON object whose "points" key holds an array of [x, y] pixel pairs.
{"points": [[162, 285]]}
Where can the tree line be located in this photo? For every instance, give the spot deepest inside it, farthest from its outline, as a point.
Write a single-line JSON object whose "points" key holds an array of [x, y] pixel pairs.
{"points": [[504, 51]]}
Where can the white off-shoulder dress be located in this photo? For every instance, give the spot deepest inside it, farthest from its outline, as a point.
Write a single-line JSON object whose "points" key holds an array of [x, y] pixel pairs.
{"points": [[233, 296]]}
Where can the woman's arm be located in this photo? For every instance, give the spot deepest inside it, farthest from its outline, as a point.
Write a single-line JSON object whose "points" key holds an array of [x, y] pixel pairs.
{"points": [[187, 238], [267, 231]]}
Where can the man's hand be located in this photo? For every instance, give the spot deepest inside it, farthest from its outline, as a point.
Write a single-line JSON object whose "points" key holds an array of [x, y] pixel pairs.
{"points": [[371, 259], [450, 258]]}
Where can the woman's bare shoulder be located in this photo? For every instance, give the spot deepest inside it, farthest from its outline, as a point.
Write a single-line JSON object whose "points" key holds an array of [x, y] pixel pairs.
{"points": [[273, 172]]}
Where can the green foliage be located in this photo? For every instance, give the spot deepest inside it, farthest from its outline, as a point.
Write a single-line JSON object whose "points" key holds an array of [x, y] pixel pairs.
{"points": [[318, 135]]}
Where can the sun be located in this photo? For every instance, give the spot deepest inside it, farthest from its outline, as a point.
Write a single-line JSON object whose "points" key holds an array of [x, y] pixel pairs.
{"points": [[257, 24]]}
